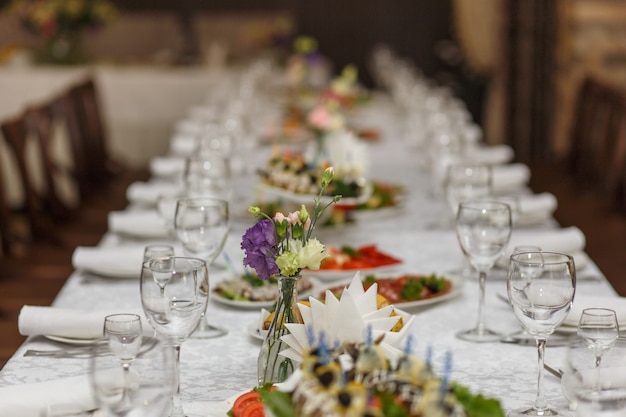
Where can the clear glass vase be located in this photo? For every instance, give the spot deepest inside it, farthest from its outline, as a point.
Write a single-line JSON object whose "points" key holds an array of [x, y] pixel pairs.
{"points": [[273, 367]]}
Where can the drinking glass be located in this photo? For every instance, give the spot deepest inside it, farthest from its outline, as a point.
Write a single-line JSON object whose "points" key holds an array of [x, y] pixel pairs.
{"points": [[599, 329], [483, 229], [159, 251], [202, 226], [466, 182], [541, 288], [592, 389], [175, 313], [207, 175], [166, 208], [144, 390], [123, 334]]}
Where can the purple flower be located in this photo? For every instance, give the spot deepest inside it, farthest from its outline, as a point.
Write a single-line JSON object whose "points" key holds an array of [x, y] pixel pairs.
{"points": [[259, 245]]}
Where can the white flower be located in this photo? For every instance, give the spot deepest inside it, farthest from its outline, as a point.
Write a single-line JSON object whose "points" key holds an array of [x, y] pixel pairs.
{"points": [[312, 254]]}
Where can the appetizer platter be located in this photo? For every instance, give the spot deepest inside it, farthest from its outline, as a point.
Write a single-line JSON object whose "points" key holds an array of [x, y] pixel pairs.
{"points": [[344, 261], [251, 292]]}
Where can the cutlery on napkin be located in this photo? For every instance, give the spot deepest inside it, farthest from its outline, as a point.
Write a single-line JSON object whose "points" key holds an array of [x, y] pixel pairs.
{"points": [[67, 323], [139, 223], [71, 394]]}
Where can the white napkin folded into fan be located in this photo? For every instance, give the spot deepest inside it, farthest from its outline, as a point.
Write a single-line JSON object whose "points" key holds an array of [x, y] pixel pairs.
{"points": [[139, 223], [142, 192], [568, 240], [68, 323], [581, 302], [68, 395], [112, 262]]}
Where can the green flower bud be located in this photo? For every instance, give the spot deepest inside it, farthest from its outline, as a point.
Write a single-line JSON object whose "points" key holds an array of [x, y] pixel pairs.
{"points": [[254, 210], [327, 176], [303, 215]]}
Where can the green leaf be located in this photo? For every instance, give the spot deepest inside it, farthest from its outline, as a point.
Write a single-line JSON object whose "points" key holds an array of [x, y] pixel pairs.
{"points": [[477, 405], [278, 402]]}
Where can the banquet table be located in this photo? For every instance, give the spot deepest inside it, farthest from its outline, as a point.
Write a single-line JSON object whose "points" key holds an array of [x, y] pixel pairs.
{"points": [[215, 370]]}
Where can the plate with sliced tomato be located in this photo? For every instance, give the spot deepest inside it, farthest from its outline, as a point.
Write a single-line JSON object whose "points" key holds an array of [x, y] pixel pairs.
{"points": [[408, 290], [345, 261]]}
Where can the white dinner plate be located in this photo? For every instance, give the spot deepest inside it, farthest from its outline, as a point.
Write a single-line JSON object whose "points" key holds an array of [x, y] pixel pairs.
{"points": [[71, 340], [338, 274], [113, 272]]}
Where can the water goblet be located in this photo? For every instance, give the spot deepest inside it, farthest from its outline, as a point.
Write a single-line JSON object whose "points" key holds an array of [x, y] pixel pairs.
{"points": [[483, 229], [142, 391], [175, 313], [202, 225], [598, 327], [207, 175], [592, 389], [166, 208], [123, 334], [541, 288], [466, 182]]}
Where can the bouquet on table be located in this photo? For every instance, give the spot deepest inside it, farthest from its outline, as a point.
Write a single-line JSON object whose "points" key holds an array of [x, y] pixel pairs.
{"points": [[282, 246]]}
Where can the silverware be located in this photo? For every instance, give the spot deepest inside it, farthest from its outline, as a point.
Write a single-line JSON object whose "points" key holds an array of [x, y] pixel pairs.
{"points": [[525, 340], [84, 352], [556, 372]]}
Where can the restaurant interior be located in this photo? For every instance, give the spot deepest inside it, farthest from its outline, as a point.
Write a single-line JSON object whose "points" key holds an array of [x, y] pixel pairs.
{"points": [[545, 80]]}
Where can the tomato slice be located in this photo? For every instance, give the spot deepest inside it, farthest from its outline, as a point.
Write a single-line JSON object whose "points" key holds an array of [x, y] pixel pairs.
{"points": [[254, 409], [244, 400]]}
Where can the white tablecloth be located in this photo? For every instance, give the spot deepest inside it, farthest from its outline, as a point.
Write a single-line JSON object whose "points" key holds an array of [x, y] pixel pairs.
{"points": [[214, 370]]}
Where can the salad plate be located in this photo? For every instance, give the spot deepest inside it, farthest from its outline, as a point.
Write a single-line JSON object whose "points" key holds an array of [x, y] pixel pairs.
{"points": [[71, 340], [313, 285]]}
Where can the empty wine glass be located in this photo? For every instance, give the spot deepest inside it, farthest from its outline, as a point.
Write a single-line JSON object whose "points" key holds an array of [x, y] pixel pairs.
{"points": [[483, 229], [541, 288], [159, 251], [592, 389], [202, 226], [465, 182], [123, 334], [520, 249], [598, 327], [166, 208], [144, 390], [175, 313], [207, 175]]}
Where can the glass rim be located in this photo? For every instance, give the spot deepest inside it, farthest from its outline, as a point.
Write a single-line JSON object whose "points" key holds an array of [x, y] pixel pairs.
{"points": [[518, 257], [112, 317], [196, 201], [485, 204], [196, 263], [599, 311]]}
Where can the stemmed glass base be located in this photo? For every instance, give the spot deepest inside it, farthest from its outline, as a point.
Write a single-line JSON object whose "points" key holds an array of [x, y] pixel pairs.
{"points": [[208, 331], [534, 412], [479, 335]]}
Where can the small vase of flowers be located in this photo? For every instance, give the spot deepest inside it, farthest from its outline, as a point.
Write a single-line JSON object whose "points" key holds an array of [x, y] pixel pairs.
{"points": [[282, 246]]}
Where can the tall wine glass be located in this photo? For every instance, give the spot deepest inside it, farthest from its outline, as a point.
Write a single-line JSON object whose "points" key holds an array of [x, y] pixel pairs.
{"points": [[144, 390], [202, 225], [207, 175], [541, 288], [175, 313], [465, 182], [599, 329], [483, 229], [158, 250]]}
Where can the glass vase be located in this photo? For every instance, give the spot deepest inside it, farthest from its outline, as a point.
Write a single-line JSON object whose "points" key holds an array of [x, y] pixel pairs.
{"points": [[273, 367]]}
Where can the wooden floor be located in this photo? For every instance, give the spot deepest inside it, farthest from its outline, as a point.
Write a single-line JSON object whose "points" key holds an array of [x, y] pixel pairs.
{"points": [[37, 282]]}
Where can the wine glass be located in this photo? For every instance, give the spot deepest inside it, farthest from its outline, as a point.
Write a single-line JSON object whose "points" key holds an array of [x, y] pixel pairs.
{"points": [[466, 182], [207, 175], [175, 313], [522, 333], [123, 334], [541, 288], [202, 226], [166, 208], [144, 390], [159, 251], [483, 229], [599, 329]]}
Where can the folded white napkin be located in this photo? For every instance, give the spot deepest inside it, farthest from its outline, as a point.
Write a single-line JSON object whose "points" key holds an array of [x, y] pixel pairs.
{"points": [[183, 144], [568, 240], [509, 177], [582, 302], [531, 208], [69, 395], [112, 262], [69, 323], [167, 166], [147, 193], [138, 223], [489, 155]]}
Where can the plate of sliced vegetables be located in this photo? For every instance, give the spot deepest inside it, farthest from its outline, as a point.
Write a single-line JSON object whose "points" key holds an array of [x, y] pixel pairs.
{"points": [[345, 261]]}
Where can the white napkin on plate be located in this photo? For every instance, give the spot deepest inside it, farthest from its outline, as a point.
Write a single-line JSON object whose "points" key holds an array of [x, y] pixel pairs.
{"points": [[167, 166], [489, 155], [70, 395], [68, 323], [568, 240], [112, 262], [582, 302], [183, 144], [531, 208], [509, 177], [143, 192], [138, 223]]}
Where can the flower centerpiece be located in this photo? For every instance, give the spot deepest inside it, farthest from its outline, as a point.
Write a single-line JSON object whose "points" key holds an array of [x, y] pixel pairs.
{"points": [[60, 23], [282, 246]]}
